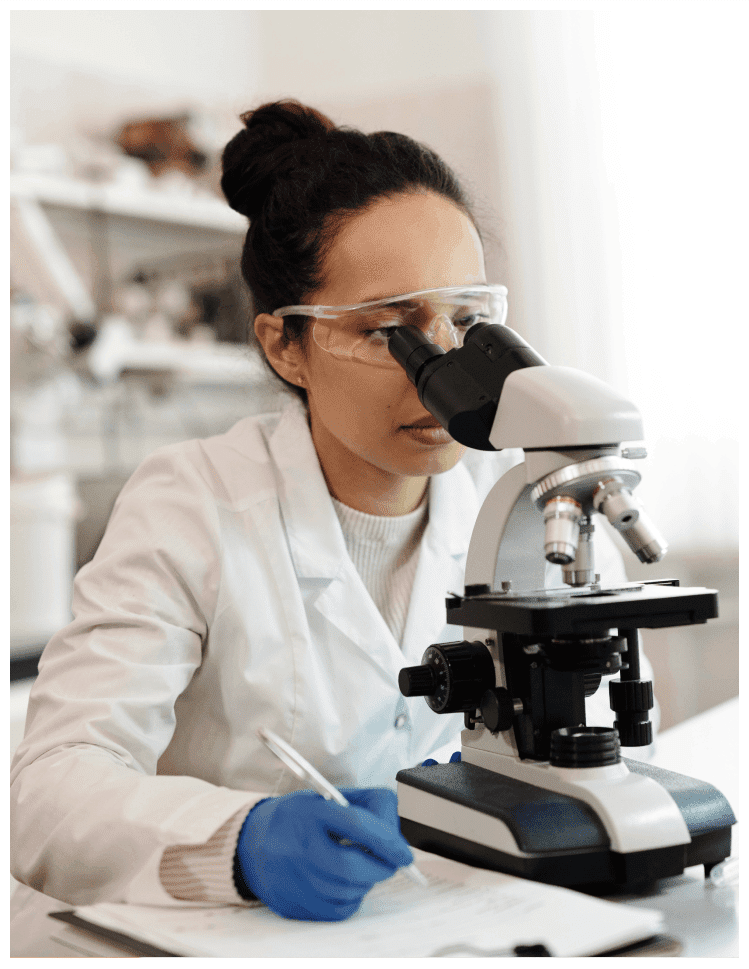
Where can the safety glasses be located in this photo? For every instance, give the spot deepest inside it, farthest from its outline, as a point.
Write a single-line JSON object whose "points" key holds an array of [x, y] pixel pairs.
{"points": [[359, 333]]}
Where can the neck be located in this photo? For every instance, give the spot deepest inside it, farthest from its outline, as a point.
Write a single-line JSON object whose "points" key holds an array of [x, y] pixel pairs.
{"points": [[361, 485]]}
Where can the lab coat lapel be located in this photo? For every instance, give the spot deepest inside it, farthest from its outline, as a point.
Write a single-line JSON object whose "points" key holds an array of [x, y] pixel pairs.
{"points": [[314, 534], [347, 604], [329, 580], [453, 506]]}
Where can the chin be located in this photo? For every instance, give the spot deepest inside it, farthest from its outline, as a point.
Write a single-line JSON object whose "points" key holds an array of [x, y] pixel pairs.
{"points": [[431, 461], [441, 463]]}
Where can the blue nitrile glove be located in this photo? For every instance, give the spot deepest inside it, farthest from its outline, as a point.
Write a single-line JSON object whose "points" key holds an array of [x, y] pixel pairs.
{"points": [[290, 854], [454, 759]]}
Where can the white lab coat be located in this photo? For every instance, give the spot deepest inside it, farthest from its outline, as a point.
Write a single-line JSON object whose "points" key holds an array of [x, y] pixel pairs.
{"points": [[222, 598]]}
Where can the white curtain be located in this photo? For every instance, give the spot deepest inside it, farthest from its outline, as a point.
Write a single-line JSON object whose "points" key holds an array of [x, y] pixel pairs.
{"points": [[621, 137]]}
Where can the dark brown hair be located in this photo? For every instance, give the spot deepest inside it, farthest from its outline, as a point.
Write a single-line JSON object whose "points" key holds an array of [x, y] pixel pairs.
{"points": [[297, 177]]}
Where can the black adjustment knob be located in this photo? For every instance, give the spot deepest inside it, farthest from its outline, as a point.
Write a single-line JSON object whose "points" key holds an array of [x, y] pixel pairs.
{"points": [[636, 733], [635, 696], [497, 709], [631, 700], [584, 747], [452, 676], [592, 682], [417, 681]]}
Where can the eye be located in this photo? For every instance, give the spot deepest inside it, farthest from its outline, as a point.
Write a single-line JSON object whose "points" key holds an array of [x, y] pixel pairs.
{"points": [[469, 320], [381, 335]]}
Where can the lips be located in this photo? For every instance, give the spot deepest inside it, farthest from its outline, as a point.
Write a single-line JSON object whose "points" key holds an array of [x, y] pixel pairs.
{"points": [[425, 422]]}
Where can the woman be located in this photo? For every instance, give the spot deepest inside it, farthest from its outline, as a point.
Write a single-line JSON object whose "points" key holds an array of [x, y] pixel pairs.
{"points": [[278, 575]]}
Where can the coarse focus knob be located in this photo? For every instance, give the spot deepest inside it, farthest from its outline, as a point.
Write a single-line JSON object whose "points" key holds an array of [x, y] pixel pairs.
{"points": [[417, 681]]}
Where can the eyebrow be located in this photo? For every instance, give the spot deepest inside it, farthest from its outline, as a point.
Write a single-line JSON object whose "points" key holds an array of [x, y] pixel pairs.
{"points": [[373, 299]]}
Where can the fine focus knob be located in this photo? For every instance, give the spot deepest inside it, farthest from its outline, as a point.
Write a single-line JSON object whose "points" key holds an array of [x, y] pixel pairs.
{"points": [[452, 676], [417, 681]]}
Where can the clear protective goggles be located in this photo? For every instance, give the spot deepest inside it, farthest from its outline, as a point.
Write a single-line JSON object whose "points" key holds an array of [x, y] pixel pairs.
{"points": [[360, 333]]}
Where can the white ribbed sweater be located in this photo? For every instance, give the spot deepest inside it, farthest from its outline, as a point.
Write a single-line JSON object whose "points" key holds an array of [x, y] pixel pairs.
{"points": [[385, 551]]}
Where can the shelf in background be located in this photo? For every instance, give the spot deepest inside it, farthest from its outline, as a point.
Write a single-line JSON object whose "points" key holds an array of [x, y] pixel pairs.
{"points": [[120, 200]]}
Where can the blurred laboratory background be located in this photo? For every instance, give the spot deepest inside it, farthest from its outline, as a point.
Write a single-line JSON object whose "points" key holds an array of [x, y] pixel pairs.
{"points": [[602, 151]]}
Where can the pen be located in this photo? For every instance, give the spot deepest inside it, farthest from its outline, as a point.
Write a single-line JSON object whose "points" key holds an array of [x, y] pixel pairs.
{"points": [[303, 769]]}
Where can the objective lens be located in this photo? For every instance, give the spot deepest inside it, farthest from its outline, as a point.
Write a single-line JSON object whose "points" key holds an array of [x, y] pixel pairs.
{"points": [[562, 521], [645, 540], [629, 518]]}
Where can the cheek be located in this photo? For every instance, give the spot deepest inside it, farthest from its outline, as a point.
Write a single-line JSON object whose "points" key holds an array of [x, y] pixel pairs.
{"points": [[365, 407], [364, 402]]}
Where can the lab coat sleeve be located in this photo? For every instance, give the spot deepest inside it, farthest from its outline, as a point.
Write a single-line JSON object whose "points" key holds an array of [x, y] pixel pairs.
{"points": [[90, 817]]}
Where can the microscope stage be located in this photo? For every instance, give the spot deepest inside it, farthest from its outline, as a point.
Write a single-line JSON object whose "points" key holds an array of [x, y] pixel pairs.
{"points": [[575, 612]]}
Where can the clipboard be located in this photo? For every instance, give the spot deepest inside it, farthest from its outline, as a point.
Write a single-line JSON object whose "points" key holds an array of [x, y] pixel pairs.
{"points": [[134, 946], [657, 945]]}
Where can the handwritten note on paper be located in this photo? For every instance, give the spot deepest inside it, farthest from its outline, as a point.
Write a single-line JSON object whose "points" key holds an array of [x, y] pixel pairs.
{"points": [[481, 909]]}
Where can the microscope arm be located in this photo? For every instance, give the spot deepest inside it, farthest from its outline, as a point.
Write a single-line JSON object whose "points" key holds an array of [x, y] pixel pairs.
{"points": [[507, 536]]}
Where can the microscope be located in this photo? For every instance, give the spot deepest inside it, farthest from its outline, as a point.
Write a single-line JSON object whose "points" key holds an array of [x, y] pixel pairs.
{"points": [[538, 793]]}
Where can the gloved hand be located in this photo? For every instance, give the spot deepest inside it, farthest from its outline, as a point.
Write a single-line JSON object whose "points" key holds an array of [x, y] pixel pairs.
{"points": [[291, 856], [454, 759]]}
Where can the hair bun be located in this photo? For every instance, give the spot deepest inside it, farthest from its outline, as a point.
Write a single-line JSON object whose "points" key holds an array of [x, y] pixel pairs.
{"points": [[264, 149]]}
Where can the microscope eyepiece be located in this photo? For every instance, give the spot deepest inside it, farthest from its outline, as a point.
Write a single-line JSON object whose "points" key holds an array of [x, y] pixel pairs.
{"points": [[412, 350], [461, 387]]}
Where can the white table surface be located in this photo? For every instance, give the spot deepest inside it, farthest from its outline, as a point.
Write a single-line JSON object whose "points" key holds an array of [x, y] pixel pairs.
{"points": [[701, 916]]}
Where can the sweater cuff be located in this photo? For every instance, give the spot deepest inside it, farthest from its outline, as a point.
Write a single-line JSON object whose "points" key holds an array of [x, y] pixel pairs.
{"points": [[204, 873]]}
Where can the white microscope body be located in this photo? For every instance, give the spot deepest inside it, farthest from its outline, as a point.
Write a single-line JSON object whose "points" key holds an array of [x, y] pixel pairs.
{"points": [[537, 792]]}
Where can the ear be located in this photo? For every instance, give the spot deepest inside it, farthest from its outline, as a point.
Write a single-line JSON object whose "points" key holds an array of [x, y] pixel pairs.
{"points": [[286, 360]]}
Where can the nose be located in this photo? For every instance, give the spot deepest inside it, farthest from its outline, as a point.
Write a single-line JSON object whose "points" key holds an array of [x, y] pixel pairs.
{"points": [[442, 332]]}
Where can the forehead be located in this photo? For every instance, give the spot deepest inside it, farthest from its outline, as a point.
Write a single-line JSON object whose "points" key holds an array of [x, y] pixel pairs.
{"points": [[402, 244]]}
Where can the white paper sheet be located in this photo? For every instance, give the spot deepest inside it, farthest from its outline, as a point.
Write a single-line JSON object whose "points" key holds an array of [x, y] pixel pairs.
{"points": [[464, 910]]}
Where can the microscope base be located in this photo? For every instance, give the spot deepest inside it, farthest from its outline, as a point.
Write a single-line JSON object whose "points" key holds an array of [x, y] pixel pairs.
{"points": [[486, 819]]}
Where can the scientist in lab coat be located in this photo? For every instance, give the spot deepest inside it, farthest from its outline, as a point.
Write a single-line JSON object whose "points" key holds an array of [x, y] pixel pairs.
{"points": [[278, 575]]}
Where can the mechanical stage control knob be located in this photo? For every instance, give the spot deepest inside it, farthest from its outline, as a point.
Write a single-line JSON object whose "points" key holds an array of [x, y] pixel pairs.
{"points": [[632, 701]]}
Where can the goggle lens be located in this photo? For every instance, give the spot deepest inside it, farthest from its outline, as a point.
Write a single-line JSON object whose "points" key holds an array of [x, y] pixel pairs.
{"points": [[362, 335]]}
